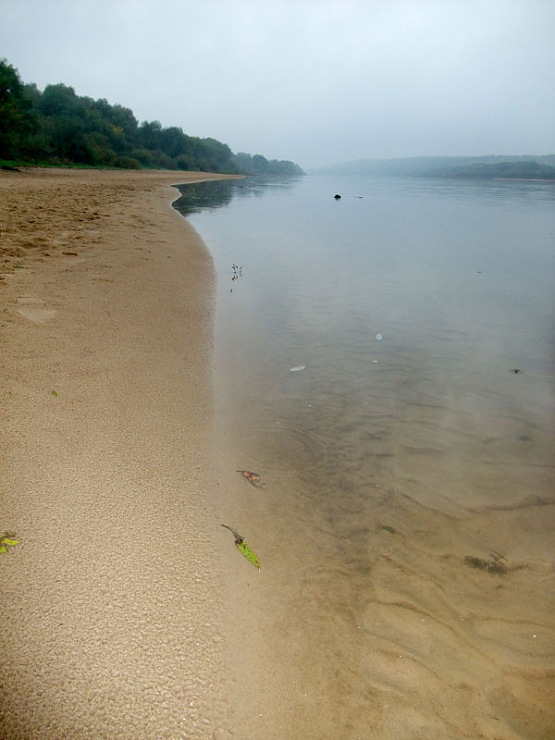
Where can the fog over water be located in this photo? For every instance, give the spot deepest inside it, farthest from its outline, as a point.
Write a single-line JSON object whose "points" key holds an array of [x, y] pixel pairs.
{"points": [[314, 81]]}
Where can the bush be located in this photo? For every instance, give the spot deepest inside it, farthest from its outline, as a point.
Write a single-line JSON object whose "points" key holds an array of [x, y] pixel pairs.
{"points": [[127, 163], [143, 156]]}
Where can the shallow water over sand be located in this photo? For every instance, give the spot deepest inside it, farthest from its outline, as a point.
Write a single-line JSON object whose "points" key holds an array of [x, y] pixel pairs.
{"points": [[405, 529]]}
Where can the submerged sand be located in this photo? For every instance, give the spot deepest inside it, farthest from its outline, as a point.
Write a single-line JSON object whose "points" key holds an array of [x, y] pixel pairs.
{"points": [[111, 602], [126, 610]]}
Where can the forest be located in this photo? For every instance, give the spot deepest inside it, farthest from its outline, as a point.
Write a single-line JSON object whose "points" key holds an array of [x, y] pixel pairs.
{"points": [[510, 167], [522, 170], [56, 126]]}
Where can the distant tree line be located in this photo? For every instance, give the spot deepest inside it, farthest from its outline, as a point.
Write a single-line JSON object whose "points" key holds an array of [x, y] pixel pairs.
{"points": [[525, 170], [258, 165], [530, 167], [58, 127]]}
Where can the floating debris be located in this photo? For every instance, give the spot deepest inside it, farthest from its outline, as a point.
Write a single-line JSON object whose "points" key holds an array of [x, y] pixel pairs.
{"points": [[243, 547], [387, 528], [494, 564], [253, 478], [297, 368]]}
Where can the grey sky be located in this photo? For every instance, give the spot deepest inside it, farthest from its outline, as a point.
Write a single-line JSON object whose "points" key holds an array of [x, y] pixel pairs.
{"points": [[315, 81]]}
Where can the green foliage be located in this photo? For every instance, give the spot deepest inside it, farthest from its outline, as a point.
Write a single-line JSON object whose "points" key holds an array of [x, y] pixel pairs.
{"points": [[16, 116], [258, 165], [127, 163], [57, 126]]}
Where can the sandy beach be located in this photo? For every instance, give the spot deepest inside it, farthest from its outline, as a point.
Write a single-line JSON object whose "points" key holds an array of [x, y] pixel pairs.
{"points": [[128, 613], [111, 602]]}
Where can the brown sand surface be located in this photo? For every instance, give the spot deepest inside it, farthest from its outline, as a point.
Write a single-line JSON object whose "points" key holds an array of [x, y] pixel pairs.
{"points": [[111, 604], [128, 613], [405, 535], [405, 618]]}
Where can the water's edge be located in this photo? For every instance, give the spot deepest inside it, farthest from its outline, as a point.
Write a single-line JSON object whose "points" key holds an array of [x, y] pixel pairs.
{"points": [[395, 593]]}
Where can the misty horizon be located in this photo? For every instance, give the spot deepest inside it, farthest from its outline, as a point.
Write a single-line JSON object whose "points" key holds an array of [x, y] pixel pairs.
{"points": [[317, 83]]}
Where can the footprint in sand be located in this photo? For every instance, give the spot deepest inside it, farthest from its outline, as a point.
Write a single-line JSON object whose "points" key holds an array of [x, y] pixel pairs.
{"points": [[34, 309]]}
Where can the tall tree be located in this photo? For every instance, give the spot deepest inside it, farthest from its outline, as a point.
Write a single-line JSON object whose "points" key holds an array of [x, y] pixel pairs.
{"points": [[16, 117]]}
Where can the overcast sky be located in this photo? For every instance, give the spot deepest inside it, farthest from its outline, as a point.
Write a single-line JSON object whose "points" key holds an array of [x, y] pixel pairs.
{"points": [[314, 81]]}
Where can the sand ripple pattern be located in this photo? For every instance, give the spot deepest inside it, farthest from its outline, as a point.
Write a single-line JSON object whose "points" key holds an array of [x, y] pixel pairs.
{"points": [[406, 576]]}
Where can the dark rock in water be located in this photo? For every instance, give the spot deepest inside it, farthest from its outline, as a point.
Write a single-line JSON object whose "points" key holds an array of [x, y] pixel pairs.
{"points": [[337, 196]]}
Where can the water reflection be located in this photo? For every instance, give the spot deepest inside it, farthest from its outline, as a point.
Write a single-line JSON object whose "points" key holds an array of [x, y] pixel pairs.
{"points": [[214, 194], [196, 197]]}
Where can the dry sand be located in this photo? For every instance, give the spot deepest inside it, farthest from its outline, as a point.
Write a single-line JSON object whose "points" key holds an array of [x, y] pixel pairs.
{"points": [[111, 603], [126, 610]]}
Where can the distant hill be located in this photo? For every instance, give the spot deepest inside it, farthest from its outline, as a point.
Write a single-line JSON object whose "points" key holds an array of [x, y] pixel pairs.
{"points": [[492, 166], [525, 170]]}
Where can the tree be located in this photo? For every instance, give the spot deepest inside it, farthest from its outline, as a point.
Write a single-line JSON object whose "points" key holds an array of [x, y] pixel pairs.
{"points": [[58, 126], [149, 134], [57, 100], [172, 141], [260, 164], [16, 117]]}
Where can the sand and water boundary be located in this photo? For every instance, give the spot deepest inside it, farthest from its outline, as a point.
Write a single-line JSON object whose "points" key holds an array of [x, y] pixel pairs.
{"points": [[111, 601], [127, 611]]}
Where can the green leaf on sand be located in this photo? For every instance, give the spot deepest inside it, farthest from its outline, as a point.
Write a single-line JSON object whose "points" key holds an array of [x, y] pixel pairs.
{"points": [[7, 538], [243, 547]]}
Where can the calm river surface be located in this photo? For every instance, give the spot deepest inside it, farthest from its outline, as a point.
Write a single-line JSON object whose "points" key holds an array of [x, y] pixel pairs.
{"points": [[385, 363]]}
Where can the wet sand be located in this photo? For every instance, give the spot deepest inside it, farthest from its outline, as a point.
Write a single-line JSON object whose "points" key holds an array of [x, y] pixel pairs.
{"points": [[127, 611], [112, 601], [405, 531], [386, 608]]}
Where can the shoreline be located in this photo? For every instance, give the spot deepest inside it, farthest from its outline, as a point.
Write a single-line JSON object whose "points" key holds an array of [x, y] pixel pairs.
{"points": [[128, 611], [112, 618], [404, 582]]}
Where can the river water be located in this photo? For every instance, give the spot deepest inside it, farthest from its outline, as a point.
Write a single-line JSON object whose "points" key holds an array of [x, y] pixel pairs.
{"points": [[385, 364]]}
